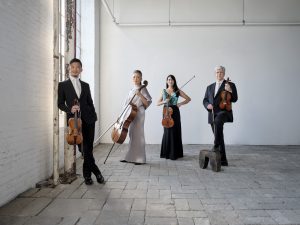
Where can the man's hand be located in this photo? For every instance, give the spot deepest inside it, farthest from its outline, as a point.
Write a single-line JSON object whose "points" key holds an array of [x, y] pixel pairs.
{"points": [[210, 106], [228, 88], [75, 108]]}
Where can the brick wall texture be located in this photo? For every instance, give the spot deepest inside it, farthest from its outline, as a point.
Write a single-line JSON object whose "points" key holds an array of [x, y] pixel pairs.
{"points": [[26, 80]]}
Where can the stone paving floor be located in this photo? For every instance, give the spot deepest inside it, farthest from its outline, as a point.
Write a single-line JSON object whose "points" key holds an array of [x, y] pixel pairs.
{"points": [[260, 186]]}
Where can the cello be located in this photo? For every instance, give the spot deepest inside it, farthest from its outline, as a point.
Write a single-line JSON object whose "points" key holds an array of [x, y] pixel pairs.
{"points": [[122, 124], [120, 129]]}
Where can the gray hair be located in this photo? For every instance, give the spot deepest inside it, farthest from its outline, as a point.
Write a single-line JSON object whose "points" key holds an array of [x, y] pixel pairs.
{"points": [[220, 68]]}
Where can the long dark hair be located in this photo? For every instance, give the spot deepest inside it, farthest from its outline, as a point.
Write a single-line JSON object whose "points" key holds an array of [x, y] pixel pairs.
{"points": [[175, 84]]}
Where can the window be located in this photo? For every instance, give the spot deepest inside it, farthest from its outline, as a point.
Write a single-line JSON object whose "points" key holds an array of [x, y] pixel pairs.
{"points": [[76, 21]]}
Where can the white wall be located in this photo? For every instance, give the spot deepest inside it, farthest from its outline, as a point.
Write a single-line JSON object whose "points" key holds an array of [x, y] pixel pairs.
{"points": [[263, 61], [26, 96]]}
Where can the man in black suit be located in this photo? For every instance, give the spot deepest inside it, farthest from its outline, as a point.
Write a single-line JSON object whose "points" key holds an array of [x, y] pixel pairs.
{"points": [[74, 88], [216, 116]]}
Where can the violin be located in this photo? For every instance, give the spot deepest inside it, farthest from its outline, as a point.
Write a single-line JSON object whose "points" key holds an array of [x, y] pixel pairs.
{"points": [[167, 120], [74, 135], [120, 129], [225, 102]]}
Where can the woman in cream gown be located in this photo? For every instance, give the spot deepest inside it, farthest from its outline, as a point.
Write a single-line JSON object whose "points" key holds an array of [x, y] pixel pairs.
{"points": [[136, 151]]}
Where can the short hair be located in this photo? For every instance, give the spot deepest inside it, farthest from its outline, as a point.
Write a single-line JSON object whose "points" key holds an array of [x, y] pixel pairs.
{"points": [[220, 68], [138, 72], [75, 60]]}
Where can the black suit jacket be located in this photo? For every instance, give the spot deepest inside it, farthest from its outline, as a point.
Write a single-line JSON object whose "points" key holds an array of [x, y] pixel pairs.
{"points": [[66, 96], [209, 98]]}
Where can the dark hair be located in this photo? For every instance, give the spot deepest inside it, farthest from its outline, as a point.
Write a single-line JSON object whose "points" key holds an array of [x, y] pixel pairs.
{"points": [[176, 89], [75, 60], [138, 72]]}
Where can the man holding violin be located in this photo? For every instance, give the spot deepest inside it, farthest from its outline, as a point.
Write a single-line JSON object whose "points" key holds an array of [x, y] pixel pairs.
{"points": [[217, 100], [69, 90]]}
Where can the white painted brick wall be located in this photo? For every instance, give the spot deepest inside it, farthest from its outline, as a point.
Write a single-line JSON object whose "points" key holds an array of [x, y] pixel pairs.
{"points": [[26, 102]]}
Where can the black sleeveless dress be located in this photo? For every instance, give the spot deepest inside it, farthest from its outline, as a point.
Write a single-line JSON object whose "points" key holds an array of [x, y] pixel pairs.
{"points": [[171, 146]]}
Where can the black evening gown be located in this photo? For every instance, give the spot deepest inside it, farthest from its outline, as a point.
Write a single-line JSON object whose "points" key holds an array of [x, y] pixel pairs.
{"points": [[171, 146]]}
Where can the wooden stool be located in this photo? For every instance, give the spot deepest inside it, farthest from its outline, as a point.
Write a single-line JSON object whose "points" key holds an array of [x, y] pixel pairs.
{"points": [[214, 157]]}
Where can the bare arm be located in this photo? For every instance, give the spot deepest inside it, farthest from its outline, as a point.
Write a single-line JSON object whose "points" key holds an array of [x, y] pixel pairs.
{"points": [[161, 101], [187, 99], [144, 100]]}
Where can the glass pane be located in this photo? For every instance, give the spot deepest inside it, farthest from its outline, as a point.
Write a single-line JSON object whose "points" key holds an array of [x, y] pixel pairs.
{"points": [[63, 8], [63, 26], [78, 52], [78, 21], [60, 69], [59, 44], [78, 6], [63, 66], [62, 45], [78, 39]]}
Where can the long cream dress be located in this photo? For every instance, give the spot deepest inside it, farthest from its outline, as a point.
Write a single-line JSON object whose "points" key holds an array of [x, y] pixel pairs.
{"points": [[136, 150]]}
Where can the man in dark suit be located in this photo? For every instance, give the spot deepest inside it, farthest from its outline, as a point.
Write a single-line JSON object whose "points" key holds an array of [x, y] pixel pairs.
{"points": [[216, 116], [74, 88]]}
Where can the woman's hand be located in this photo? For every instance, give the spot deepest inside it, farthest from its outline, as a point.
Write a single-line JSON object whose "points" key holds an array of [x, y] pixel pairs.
{"points": [[138, 93]]}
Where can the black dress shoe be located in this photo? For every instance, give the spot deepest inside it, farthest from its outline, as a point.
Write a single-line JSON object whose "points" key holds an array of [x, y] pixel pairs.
{"points": [[224, 163], [136, 163], [100, 178], [123, 161], [88, 181]]}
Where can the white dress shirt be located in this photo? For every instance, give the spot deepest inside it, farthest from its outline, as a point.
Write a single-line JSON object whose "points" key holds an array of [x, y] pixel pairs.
{"points": [[76, 84], [218, 85]]}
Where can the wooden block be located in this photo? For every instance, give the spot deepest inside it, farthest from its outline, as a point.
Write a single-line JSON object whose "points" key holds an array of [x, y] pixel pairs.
{"points": [[203, 159], [214, 158], [215, 161]]}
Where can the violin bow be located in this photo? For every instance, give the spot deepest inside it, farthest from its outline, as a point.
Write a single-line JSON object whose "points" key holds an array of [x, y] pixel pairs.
{"points": [[185, 83]]}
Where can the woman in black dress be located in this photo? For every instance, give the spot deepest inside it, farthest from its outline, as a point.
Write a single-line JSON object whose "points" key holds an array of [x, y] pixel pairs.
{"points": [[171, 147]]}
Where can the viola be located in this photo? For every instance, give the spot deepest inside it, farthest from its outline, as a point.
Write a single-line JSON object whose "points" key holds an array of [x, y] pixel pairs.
{"points": [[120, 129], [74, 135], [167, 120], [225, 102]]}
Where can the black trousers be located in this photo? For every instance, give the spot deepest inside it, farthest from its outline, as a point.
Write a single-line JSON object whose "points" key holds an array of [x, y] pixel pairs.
{"points": [[220, 119], [89, 166]]}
